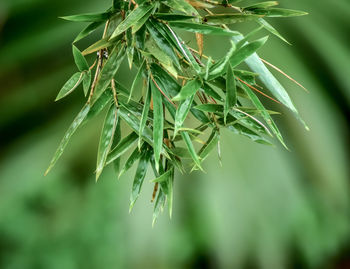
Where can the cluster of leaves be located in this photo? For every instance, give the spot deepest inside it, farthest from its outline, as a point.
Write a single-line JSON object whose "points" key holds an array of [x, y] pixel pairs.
{"points": [[174, 82]]}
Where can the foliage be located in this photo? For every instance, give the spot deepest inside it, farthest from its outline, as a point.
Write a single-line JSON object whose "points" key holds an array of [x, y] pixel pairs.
{"points": [[179, 95]]}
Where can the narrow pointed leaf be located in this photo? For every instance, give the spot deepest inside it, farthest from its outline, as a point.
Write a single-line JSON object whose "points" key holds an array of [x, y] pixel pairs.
{"points": [[158, 123], [122, 147], [279, 12], [272, 84], [106, 139], [88, 17], [271, 29], [80, 60], [229, 18], [137, 79], [87, 81], [132, 18], [70, 85], [88, 30], [191, 149], [134, 156], [71, 130], [190, 88], [255, 100], [108, 72], [145, 111], [182, 112], [231, 91], [202, 28], [139, 178]]}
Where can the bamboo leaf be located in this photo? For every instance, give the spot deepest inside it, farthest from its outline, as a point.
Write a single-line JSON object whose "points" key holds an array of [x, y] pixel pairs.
{"points": [[230, 18], [134, 156], [145, 111], [279, 12], [181, 113], [108, 72], [255, 100], [88, 30], [139, 178], [70, 85], [231, 91], [158, 123], [86, 81], [202, 28], [137, 79], [185, 136], [80, 60], [88, 17], [190, 88], [274, 86], [106, 139], [132, 18], [122, 147], [71, 130]]}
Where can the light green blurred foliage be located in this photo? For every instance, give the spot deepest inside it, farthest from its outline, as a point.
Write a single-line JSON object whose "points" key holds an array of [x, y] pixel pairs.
{"points": [[264, 208]]}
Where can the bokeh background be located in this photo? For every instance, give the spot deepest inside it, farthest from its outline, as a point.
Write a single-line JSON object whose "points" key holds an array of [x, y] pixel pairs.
{"points": [[264, 208]]}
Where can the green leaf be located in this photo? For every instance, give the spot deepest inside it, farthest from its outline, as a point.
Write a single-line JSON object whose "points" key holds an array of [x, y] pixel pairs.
{"points": [[132, 18], [71, 130], [162, 178], [108, 72], [244, 131], [134, 156], [279, 12], [231, 91], [182, 48], [185, 136], [130, 47], [255, 100], [173, 17], [106, 139], [137, 26], [86, 81], [162, 42], [116, 139], [145, 111], [162, 57], [99, 105], [139, 177], [70, 85], [229, 18], [182, 112], [220, 67], [211, 92], [262, 5], [137, 79], [271, 29], [182, 5], [88, 30], [257, 66], [247, 50], [88, 17], [80, 60], [212, 108], [101, 44], [190, 88], [158, 206], [158, 123], [134, 123], [202, 28], [122, 147], [209, 145]]}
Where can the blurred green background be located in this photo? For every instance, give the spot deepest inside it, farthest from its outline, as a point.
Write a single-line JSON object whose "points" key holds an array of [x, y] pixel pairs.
{"points": [[264, 208]]}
